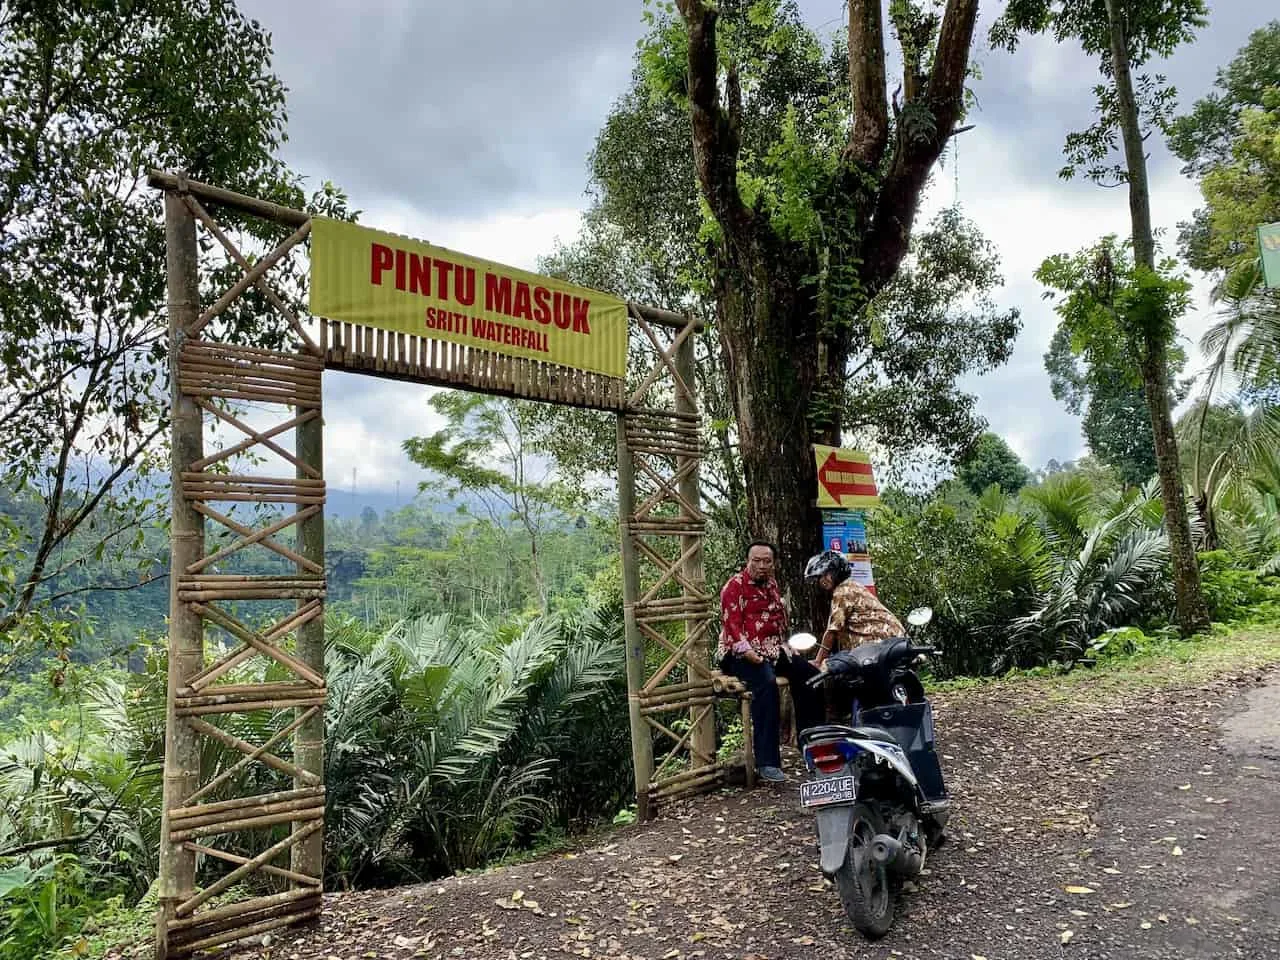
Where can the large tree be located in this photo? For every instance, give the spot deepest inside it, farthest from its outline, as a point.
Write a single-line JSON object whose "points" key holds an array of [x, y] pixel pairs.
{"points": [[1230, 141], [991, 461], [801, 249], [92, 94], [1124, 35]]}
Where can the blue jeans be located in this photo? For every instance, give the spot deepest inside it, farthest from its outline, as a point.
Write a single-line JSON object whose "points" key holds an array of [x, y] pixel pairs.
{"points": [[761, 680]]}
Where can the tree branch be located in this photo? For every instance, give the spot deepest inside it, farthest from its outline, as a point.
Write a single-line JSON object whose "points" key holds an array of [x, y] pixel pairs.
{"points": [[869, 134], [79, 837], [715, 140], [917, 149]]}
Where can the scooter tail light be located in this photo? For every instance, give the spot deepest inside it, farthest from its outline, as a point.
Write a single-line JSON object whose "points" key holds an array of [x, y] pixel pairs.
{"points": [[826, 757]]}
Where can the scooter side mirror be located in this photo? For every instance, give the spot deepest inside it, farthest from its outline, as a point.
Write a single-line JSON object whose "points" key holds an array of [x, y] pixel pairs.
{"points": [[802, 642], [920, 616]]}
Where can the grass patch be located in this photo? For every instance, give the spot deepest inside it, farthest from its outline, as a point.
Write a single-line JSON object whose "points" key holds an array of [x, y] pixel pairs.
{"points": [[1155, 663]]}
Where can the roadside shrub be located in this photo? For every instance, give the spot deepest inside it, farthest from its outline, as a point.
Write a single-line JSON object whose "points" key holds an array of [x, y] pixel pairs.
{"points": [[1235, 593]]}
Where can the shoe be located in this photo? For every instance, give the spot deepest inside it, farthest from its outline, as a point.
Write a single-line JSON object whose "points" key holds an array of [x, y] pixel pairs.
{"points": [[771, 774]]}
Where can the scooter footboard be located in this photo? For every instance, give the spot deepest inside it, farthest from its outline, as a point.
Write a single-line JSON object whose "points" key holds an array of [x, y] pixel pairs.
{"points": [[835, 823]]}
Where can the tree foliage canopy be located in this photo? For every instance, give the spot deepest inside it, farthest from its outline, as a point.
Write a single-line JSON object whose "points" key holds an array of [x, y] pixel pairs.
{"points": [[91, 96]]}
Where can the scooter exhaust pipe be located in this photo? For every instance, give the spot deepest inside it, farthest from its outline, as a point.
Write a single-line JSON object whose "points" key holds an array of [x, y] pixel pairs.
{"points": [[891, 853]]}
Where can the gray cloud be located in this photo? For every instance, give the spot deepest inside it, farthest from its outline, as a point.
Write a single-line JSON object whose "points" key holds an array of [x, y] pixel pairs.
{"points": [[448, 121], [451, 108]]}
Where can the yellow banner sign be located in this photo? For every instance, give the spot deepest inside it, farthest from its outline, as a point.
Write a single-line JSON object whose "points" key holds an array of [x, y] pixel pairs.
{"points": [[385, 280]]}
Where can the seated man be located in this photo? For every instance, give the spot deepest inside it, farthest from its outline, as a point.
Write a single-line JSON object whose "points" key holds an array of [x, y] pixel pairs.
{"points": [[857, 617], [753, 648]]}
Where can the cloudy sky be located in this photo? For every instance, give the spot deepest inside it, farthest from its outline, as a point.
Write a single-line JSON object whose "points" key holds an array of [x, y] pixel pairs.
{"points": [[468, 125]]}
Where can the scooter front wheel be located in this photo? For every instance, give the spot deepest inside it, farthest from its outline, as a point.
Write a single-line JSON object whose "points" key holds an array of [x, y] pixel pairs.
{"points": [[866, 891]]}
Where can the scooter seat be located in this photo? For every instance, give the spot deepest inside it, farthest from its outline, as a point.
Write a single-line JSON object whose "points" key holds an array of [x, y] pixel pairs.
{"points": [[875, 733]]}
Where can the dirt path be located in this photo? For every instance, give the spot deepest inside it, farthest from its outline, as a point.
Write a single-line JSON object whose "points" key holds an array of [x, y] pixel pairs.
{"points": [[1158, 809]]}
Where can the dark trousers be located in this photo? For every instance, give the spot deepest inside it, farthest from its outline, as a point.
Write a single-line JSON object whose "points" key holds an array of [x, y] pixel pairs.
{"points": [[761, 680]]}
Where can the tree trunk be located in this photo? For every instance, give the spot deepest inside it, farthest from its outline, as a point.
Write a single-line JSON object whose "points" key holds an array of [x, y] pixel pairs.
{"points": [[770, 363], [1192, 613]]}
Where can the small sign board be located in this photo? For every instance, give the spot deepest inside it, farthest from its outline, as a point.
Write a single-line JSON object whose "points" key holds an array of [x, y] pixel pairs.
{"points": [[1269, 248], [844, 478]]}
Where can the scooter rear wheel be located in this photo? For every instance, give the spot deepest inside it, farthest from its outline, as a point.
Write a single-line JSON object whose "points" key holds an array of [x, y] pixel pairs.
{"points": [[866, 891]]}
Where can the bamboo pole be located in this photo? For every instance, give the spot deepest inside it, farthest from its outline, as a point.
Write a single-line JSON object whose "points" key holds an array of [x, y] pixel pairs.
{"points": [[235, 254], [641, 738], [748, 744], [253, 354], [696, 785], [248, 811], [243, 908], [308, 743], [186, 630], [678, 781], [248, 705], [240, 933], [274, 212], [252, 276], [200, 809], [241, 632], [244, 531], [314, 813], [691, 703]]}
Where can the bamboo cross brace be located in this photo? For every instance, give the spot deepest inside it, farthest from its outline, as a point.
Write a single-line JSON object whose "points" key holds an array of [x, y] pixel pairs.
{"points": [[666, 489], [211, 225], [188, 906], [253, 755], [665, 359], [250, 278], [672, 571], [268, 759], [264, 438], [249, 536], [238, 629], [256, 438], [265, 541], [677, 656], [304, 614], [681, 742], [661, 563]]}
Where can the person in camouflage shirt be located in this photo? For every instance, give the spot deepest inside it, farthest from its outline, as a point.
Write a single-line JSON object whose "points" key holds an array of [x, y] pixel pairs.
{"points": [[857, 617]]}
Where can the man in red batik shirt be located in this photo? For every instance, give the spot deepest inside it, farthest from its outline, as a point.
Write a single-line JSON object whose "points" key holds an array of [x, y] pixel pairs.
{"points": [[753, 648]]}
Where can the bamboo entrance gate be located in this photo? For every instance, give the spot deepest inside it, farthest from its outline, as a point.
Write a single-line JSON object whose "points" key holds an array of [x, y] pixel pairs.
{"points": [[672, 690]]}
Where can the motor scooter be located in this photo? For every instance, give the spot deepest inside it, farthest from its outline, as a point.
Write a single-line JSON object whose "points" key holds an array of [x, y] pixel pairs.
{"points": [[875, 785]]}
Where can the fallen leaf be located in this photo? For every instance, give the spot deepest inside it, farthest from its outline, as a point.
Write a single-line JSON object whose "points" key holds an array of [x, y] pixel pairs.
{"points": [[517, 896], [1146, 924], [1110, 870], [1162, 917], [1071, 888], [1067, 935], [1176, 851], [1185, 786]]}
